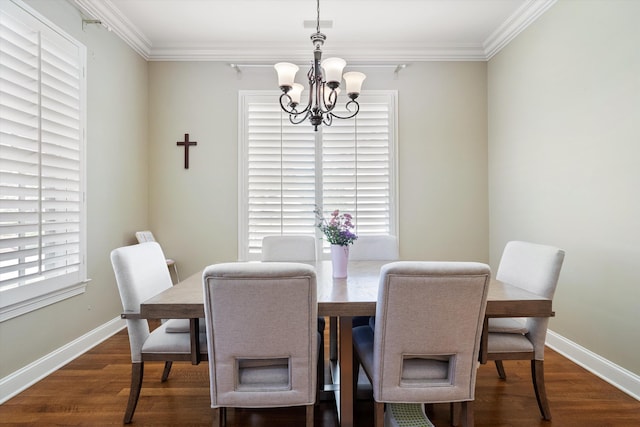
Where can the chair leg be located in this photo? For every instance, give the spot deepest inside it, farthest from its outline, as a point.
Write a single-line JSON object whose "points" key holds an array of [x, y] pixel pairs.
{"points": [[537, 375], [378, 414], [216, 420], [167, 370], [455, 408], [309, 420], [355, 374], [137, 371], [467, 414], [500, 367]]}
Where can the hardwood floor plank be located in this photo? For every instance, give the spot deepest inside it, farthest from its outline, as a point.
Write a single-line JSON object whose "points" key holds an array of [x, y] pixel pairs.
{"points": [[93, 391]]}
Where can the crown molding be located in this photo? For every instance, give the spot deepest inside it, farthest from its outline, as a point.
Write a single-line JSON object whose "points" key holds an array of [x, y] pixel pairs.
{"points": [[521, 19], [112, 18]]}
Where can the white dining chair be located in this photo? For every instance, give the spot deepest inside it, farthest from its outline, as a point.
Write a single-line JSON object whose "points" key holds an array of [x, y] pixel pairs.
{"points": [[382, 247], [535, 268], [141, 273], [289, 248], [147, 236]]}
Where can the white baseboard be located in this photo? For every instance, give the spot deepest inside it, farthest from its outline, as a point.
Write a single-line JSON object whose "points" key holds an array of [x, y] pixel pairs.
{"points": [[25, 377], [615, 375]]}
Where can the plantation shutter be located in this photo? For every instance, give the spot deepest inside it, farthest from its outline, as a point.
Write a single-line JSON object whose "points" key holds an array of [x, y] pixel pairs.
{"points": [[281, 174], [356, 165], [288, 170], [41, 192]]}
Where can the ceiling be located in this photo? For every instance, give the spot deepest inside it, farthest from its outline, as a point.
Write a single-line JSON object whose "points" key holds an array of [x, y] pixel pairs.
{"points": [[361, 31]]}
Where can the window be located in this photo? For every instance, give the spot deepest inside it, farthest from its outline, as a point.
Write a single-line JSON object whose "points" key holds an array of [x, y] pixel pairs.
{"points": [[287, 170], [42, 207]]}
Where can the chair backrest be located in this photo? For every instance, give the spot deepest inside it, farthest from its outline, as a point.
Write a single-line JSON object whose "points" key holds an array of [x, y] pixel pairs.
{"points": [[535, 268], [429, 318], [374, 247], [145, 236], [262, 340], [290, 248], [141, 273]]}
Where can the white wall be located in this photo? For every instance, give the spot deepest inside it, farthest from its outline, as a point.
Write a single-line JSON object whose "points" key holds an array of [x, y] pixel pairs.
{"points": [[564, 145], [442, 158], [117, 175]]}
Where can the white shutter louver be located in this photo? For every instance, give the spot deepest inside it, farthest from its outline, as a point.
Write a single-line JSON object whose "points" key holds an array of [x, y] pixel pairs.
{"points": [[41, 132]]}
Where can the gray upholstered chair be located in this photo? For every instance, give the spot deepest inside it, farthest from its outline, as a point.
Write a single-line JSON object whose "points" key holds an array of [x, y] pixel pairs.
{"points": [[296, 248], [261, 321], [425, 345], [374, 247], [535, 268], [141, 273], [379, 247]]}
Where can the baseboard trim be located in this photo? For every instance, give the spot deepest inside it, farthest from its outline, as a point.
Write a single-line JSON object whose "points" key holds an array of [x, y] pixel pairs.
{"points": [[615, 375], [25, 377]]}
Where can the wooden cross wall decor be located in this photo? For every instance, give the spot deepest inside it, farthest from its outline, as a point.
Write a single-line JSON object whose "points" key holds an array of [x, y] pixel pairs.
{"points": [[186, 144]]}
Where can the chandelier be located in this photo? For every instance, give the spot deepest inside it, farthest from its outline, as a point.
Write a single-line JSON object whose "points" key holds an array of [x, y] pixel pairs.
{"points": [[324, 86]]}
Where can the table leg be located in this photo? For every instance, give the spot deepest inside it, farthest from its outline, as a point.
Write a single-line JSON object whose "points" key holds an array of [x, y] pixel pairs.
{"points": [[333, 338], [345, 349], [484, 341], [195, 340]]}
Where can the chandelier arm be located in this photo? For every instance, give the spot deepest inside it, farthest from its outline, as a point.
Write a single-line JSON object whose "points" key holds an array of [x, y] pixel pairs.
{"points": [[293, 118], [357, 106], [285, 106], [328, 119]]}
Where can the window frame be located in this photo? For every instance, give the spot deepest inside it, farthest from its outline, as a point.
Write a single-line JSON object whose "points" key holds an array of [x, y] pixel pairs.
{"points": [[24, 298], [244, 97]]}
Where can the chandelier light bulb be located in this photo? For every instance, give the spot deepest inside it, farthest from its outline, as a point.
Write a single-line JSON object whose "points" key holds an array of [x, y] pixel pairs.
{"points": [[286, 74], [353, 80], [333, 71], [295, 94]]}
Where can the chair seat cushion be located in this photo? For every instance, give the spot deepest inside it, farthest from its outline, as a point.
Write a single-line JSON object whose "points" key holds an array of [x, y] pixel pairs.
{"points": [[159, 341], [508, 325], [179, 326], [363, 345], [508, 343]]}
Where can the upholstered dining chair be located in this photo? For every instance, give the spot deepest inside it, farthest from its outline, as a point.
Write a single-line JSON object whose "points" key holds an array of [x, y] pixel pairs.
{"points": [[261, 321], [289, 248], [535, 268], [374, 247], [425, 345], [296, 248], [147, 236], [141, 273]]}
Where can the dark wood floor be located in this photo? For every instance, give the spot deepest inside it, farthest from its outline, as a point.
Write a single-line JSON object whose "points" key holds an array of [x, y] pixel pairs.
{"points": [[93, 389]]}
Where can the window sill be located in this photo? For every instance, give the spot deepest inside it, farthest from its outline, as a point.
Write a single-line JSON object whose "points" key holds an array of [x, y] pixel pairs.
{"points": [[21, 300]]}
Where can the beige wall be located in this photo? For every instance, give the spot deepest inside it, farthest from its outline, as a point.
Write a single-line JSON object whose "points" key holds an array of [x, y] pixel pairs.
{"points": [[564, 145], [442, 158], [138, 110], [117, 176]]}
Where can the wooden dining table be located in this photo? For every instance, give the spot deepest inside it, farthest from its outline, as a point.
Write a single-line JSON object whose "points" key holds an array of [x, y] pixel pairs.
{"points": [[342, 299]]}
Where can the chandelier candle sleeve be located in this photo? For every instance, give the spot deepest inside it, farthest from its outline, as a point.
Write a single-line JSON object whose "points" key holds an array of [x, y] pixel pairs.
{"points": [[324, 78]]}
